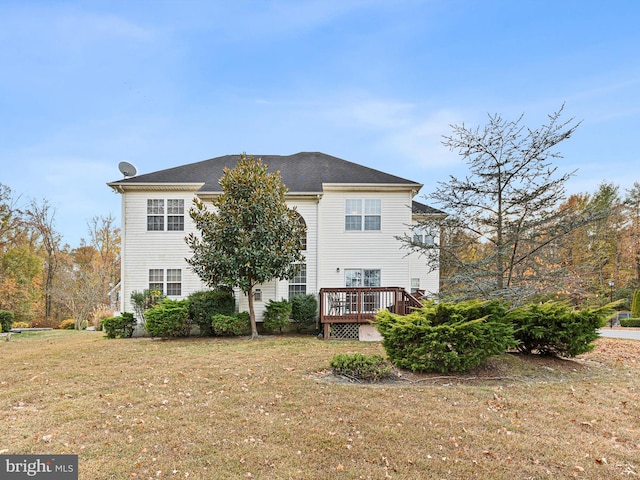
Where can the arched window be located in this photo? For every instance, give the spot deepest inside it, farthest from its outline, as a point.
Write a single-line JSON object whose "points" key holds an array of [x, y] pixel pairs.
{"points": [[303, 237]]}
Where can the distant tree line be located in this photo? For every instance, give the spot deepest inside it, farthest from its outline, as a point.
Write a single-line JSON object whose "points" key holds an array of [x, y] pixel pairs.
{"points": [[43, 281], [512, 233]]}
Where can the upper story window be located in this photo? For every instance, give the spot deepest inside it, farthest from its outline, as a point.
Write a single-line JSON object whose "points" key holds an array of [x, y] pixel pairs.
{"points": [[158, 216], [363, 215], [302, 240], [421, 237]]}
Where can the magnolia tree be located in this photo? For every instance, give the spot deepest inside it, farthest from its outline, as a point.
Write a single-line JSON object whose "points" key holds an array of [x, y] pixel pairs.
{"points": [[250, 236]]}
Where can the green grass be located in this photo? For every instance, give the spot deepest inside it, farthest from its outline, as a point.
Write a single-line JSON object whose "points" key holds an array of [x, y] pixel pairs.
{"points": [[235, 408]]}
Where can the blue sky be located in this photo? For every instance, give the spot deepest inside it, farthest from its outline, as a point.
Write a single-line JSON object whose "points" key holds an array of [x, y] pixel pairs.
{"points": [[87, 84]]}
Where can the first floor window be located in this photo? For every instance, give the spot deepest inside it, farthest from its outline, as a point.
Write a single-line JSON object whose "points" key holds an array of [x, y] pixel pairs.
{"points": [[362, 277], [298, 284], [167, 282], [174, 282], [362, 301], [156, 279]]}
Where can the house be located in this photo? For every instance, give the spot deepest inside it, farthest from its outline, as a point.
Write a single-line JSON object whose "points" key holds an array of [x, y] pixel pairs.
{"points": [[353, 215]]}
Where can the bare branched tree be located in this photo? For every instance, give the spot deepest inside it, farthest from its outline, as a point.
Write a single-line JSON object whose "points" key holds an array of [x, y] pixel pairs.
{"points": [[41, 217], [505, 215]]}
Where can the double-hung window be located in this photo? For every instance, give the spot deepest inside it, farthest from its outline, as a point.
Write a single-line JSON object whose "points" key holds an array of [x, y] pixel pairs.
{"points": [[168, 282], [363, 215], [422, 237], [358, 277], [298, 284], [160, 218]]}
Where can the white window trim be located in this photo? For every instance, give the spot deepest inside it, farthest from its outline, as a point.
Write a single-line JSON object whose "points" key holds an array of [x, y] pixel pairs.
{"points": [[359, 209], [292, 283], [166, 215], [164, 280]]}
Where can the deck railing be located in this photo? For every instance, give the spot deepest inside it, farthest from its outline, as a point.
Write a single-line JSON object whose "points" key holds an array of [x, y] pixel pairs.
{"points": [[360, 304]]}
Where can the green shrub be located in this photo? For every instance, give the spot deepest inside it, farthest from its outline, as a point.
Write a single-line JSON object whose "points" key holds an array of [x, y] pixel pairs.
{"points": [[371, 368], [169, 318], [205, 304], [445, 337], [121, 326], [227, 325], [635, 305], [304, 311], [553, 328], [68, 324], [6, 320], [143, 301], [277, 315], [630, 322]]}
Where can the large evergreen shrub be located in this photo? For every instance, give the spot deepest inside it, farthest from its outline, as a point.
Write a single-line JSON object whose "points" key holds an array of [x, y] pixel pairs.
{"points": [[6, 320], [304, 311], [553, 328], [205, 304], [169, 318], [446, 337], [277, 315]]}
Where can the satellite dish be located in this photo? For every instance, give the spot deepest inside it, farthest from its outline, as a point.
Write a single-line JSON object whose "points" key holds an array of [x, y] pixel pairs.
{"points": [[127, 169]]}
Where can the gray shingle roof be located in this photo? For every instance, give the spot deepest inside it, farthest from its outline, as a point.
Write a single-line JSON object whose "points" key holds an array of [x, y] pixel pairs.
{"points": [[422, 209], [303, 172]]}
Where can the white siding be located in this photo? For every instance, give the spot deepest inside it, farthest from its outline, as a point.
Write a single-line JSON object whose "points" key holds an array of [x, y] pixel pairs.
{"points": [[143, 250], [329, 246], [341, 249], [429, 281]]}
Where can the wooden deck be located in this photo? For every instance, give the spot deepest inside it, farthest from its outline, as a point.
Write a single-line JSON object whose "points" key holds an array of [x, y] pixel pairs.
{"points": [[361, 304]]}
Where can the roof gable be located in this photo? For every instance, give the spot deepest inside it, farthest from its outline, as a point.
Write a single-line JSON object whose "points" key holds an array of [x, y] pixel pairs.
{"points": [[303, 172]]}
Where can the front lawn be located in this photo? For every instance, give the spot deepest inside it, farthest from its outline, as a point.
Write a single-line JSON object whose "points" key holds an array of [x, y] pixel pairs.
{"points": [[235, 408]]}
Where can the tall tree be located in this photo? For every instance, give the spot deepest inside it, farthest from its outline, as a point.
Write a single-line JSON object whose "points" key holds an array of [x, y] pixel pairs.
{"points": [[507, 208], [632, 213], [250, 236], [41, 217], [591, 255], [87, 273]]}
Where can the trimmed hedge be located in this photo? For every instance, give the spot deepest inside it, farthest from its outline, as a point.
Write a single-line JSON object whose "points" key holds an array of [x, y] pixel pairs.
{"points": [[630, 322], [169, 318], [361, 367], [205, 304], [228, 325], [446, 337], [6, 320], [121, 326], [553, 328]]}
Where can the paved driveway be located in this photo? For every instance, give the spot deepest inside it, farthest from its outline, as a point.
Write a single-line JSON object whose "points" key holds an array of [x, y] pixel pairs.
{"points": [[632, 333]]}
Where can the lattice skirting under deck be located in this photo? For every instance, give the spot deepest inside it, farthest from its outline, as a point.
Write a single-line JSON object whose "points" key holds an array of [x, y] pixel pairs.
{"points": [[344, 331]]}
